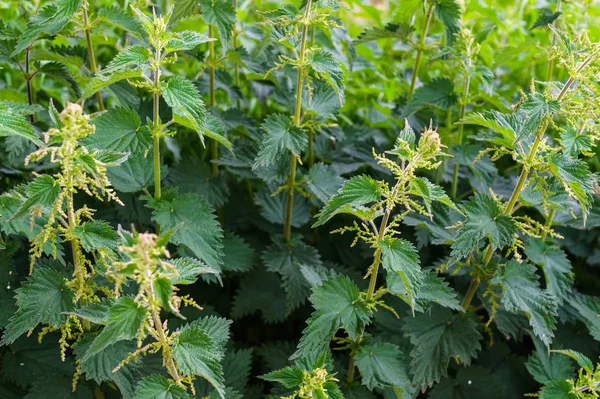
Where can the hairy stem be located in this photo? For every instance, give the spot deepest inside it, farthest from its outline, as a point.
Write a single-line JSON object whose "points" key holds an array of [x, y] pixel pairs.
{"points": [[550, 71], [459, 137], [287, 228], [420, 47], [211, 93], [90, 48], [28, 78], [167, 354], [156, 124], [510, 206]]}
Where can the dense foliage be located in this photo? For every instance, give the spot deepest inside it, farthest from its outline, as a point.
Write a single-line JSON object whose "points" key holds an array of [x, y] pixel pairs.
{"points": [[171, 171]]}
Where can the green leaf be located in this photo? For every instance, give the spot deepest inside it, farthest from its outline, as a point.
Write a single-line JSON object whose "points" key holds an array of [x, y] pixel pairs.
{"points": [[439, 93], [576, 178], [49, 21], [358, 191], [545, 366], [186, 40], [329, 70], [280, 135], [507, 126], [238, 255], [48, 387], [287, 262], [201, 232], [437, 337], [260, 290], [124, 320], [321, 102], [485, 219], [588, 309], [42, 299], [545, 18], [199, 348], [429, 192], [448, 12], [521, 293], [575, 141], [536, 108], [337, 305], [100, 81], [183, 97], [119, 129], [323, 181], [133, 175], [14, 124], [157, 386], [221, 14], [189, 269], [289, 377], [96, 234], [131, 57], [381, 366], [96, 312], [471, 383], [401, 257], [42, 191], [558, 390], [399, 31], [432, 290], [582, 360], [119, 16], [553, 261]]}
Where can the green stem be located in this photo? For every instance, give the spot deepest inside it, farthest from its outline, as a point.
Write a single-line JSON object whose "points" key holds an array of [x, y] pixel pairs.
{"points": [[156, 124], [287, 228], [90, 48], [510, 206], [550, 71], [167, 354], [421, 47], [459, 137], [236, 66], [548, 223], [311, 153], [28, 78], [211, 93]]}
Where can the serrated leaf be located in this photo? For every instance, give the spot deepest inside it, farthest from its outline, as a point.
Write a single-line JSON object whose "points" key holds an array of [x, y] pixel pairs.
{"points": [[185, 101], [437, 337], [399, 31], [119, 16], [439, 93], [157, 386], [588, 309], [96, 312], [119, 129], [575, 142], [14, 124], [260, 290], [42, 299], [337, 305], [49, 21], [359, 190], [280, 135], [238, 256], [96, 234], [521, 293], [47, 387], [485, 220], [557, 390], [131, 57], [401, 257], [432, 290], [507, 125], [199, 348], [329, 70], [189, 269], [133, 175], [582, 360], [555, 264], [323, 181], [200, 231], [289, 377], [576, 178], [430, 193], [545, 18], [448, 12], [381, 366], [474, 382], [41, 191], [221, 14], [123, 322], [545, 366], [100, 81], [186, 40], [536, 108]]}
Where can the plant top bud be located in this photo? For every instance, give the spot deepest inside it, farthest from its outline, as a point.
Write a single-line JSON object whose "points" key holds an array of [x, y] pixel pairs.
{"points": [[75, 123], [430, 144]]}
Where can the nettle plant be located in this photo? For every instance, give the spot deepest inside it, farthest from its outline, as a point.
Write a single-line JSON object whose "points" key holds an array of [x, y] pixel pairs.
{"points": [[171, 172]]}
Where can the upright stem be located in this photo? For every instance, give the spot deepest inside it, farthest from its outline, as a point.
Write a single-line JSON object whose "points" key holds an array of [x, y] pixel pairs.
{"points": [[28, 78], [236, 66], [211, 93], [420, 48], [459, 137], [550, 71], [78, 266], [510, 206], [90, 48], [374, 272], [287, 228], [167, 355], [156, 124]]}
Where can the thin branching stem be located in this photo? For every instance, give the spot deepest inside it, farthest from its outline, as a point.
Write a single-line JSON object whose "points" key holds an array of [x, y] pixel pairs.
{"points": [[459, 136], [510, 206], [28, 77], [157, 128], [421, 47], [287, 229]]}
